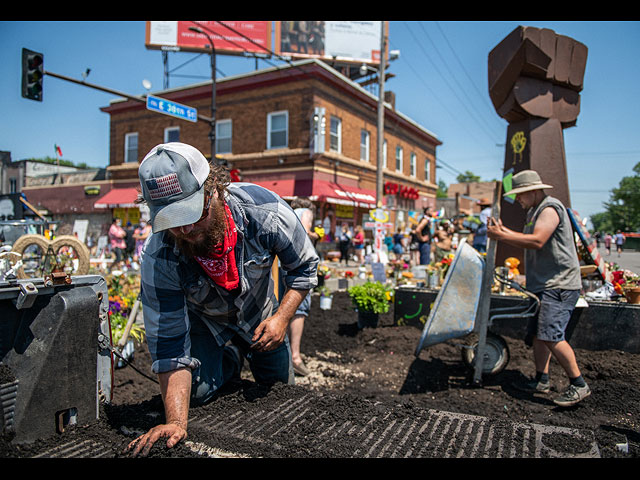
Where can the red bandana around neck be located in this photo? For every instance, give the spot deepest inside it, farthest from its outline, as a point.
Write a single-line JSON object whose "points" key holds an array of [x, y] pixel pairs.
{"points": [[220, 264]]}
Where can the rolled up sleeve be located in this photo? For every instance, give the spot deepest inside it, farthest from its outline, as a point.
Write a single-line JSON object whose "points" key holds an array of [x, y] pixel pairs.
{"points": [[297, 255], [165, 314]]}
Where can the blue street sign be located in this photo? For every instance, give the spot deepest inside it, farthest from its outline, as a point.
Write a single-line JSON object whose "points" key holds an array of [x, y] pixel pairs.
{"points": [[162, 105]]}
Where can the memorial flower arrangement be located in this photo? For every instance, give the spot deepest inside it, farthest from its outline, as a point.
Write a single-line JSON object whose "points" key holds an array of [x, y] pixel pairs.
{"points": [[324, 271], [123, 293]]}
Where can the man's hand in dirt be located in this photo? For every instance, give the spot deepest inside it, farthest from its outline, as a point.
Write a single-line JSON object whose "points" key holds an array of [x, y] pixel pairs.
{"points": [[270, 333], [174, 432]]}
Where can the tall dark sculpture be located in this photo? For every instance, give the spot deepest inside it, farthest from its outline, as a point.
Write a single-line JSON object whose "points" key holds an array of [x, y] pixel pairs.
{"points": [[535, 79]]}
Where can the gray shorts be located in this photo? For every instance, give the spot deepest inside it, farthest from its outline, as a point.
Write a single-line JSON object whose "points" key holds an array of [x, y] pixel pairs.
{"points": [[305, 307], [556, 307]]}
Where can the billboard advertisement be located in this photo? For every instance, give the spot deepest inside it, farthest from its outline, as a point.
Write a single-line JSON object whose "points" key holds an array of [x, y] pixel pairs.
{"points": [[337, 41], [229, 37]]}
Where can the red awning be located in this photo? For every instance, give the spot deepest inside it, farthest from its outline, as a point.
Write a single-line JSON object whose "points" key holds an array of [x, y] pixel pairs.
{"points": [[118, 198], [283, 187], [319, 190], [344, 195]]}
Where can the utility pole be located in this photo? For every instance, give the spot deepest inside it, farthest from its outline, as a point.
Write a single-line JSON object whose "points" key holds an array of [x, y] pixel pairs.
{"points": [[379, 171]]}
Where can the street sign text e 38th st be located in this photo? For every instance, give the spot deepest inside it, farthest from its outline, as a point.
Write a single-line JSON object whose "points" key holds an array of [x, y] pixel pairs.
{"points": [[173, 109]]}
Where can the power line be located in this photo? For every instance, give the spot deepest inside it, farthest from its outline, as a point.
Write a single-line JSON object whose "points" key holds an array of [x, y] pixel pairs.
{"points": [[419, 45], [471, 81], [453, 76]]}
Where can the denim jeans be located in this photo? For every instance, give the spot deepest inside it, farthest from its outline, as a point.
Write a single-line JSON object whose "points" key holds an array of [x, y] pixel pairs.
{"points": [[425, 253], [220, 364]]}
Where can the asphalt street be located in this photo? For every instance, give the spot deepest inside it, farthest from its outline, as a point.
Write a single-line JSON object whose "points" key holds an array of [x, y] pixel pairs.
{"points": [[628, 259]]}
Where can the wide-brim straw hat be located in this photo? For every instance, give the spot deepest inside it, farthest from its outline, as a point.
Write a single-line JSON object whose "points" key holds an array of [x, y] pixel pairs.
{"points": [[525, 181]]}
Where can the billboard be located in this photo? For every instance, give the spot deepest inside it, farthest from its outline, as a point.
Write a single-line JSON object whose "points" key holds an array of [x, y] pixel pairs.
{"points": [[331, 41], [241, 37]]}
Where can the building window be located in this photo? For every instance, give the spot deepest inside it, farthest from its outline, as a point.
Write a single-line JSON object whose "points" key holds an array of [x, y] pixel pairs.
{"points": [[364, 145], [412, 164], [399, 159], [171, 134], [277, 130], [335, 135], [13, 185], [223, 136], [427, 170], [131, 147], [384, 154]]}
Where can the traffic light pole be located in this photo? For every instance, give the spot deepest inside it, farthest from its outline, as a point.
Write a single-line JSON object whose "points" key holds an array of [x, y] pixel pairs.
{"points": [[142, 99]]}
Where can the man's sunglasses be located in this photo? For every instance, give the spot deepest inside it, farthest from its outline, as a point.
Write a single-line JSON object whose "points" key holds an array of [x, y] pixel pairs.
{"points": [[207, 203]]}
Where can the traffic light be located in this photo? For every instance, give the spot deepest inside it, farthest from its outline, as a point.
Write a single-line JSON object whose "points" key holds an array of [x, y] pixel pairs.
{"points": [[32, 74]]}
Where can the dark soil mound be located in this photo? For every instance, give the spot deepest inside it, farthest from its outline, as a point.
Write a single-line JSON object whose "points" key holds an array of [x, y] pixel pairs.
{"points": [[356, 374]]}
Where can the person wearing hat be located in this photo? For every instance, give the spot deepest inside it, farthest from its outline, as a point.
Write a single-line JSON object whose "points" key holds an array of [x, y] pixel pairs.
{"points": [[552, 272], [480, 235], [207, 294]]}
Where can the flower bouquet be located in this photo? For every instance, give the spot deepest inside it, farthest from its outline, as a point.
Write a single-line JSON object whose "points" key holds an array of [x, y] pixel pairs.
{"points": [[123, 294]]}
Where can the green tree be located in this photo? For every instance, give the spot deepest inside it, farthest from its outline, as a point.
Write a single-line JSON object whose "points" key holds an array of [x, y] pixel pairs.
{"points": [[468, 177], [442, 189], [622, 211]]}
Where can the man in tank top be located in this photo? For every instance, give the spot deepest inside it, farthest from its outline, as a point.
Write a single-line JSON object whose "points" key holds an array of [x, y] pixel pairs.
{"points": [[553, 274]]}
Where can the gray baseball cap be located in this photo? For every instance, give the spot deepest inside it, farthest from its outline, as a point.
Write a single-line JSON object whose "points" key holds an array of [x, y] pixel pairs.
{"points": [[172, 177]]}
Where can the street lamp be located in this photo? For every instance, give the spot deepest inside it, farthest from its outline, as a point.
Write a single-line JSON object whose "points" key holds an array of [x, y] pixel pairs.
{"points": [[212, 133]]}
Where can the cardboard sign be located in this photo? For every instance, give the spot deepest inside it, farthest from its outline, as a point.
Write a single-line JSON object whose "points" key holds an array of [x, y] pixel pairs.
{"points": [[379, 274]]}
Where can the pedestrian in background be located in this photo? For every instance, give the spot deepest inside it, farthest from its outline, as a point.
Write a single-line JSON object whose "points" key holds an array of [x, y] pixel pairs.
{"points": [[303, 208], [130, 242], [358, 243], [619, 239], [607, 243], [117, 242], [480, 235], [424, 234], [344, 243]]}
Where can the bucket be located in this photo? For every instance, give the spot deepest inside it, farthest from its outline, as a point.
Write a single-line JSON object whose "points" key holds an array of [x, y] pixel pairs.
{"points": [[367, 319], [325, 303]]}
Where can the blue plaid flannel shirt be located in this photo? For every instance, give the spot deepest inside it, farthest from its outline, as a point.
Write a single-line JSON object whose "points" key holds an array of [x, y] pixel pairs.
{"points": [[173, 288]]}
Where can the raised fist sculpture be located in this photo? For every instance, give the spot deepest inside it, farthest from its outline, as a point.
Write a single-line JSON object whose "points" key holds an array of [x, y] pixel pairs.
{"points": [[535, 72], [535, 80]]}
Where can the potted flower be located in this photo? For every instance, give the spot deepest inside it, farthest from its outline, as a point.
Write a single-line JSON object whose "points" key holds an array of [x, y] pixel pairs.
{"points": [[369, 300], [631, 287], [326, 297], [323, 274]]}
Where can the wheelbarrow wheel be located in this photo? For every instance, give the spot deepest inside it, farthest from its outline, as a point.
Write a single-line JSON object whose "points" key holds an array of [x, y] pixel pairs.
{"points": [[496, 354]]}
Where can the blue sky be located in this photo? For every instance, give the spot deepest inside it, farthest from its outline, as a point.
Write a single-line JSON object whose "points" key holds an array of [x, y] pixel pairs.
{"points": [[440, 82]]}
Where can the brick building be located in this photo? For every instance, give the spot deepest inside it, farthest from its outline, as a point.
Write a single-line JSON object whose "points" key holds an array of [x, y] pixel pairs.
{"points": [[299, 130]]}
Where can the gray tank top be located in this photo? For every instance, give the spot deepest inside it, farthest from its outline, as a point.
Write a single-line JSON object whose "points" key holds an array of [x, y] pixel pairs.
{"points": [[556, 264]]}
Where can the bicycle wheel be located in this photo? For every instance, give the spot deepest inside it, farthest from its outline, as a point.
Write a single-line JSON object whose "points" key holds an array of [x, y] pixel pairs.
{"points": [[71, 254], [33, 250]]}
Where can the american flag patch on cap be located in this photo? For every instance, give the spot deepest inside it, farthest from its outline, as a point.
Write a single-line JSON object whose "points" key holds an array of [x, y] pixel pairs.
{"points": [[163, 187]]}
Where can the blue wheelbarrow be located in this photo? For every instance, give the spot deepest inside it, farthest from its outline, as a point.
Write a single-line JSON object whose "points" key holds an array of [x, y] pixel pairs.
{"points": [[457, 313]]}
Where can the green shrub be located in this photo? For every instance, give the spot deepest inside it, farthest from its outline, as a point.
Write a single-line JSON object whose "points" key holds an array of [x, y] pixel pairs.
{"points": [[370, 297]]}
